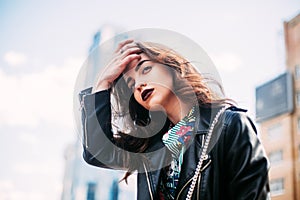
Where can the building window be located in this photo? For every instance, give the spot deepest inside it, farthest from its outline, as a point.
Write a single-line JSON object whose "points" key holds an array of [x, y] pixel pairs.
{"points": [[298, 98], [114, 190], [297, 71], [91, 191], [276, 156], [274, 131], [277, 187]]}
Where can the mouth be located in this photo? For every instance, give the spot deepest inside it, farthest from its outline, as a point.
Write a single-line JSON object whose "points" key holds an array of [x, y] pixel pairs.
{"points": [[146, 94]]}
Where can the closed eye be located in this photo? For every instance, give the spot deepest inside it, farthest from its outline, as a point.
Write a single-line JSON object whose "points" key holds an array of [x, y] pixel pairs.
{"points": [[132, 85]]}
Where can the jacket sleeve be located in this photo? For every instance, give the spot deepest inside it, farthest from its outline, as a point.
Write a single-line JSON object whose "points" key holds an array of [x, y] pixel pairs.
{"points": [[246, 162], [99, 148]]}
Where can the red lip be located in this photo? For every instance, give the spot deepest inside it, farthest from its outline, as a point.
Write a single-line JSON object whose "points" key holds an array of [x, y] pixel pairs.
{"points": [[146, 94]]}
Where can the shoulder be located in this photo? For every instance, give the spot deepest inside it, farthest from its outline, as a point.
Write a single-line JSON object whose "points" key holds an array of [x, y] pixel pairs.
{"points": [[235, 116], [238, 126]]}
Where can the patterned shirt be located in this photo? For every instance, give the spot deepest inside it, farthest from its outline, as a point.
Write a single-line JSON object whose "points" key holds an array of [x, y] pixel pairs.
{"points": [[176, 140]]}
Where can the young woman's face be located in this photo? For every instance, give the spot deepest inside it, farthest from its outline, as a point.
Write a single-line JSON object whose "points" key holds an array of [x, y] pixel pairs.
{"points": [[151, 83]]}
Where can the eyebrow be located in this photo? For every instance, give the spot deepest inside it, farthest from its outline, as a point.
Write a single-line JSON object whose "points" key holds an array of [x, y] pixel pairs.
{"points": [[140, 64]]}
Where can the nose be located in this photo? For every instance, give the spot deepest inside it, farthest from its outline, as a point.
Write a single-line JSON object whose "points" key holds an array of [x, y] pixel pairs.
{"points": [[139, 86]]}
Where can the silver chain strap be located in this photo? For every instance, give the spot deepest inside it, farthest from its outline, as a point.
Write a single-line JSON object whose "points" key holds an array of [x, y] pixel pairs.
{"points": [[203, 154]]}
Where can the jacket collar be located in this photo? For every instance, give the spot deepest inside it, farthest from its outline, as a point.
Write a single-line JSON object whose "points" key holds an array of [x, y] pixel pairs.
{"points": [[205, 115]]}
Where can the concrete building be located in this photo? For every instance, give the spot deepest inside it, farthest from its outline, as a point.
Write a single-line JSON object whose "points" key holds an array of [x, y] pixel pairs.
{"points": [[278, 114]]}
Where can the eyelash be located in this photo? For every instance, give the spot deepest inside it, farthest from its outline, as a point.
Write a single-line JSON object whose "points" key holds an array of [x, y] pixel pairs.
{"points": [[132, 85], [145, 70]]}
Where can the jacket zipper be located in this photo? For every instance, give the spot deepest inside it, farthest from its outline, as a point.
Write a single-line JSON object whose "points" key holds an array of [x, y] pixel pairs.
{"points": [[203, 168], [148, 182], [183, 188], [198, 186], [199, 179], [84, 125]]}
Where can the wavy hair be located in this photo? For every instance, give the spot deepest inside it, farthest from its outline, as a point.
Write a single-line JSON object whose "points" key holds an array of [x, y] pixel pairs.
{"points": [[189, 86]]}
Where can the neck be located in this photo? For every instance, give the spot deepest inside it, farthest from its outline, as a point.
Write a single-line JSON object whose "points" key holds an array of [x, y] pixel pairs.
{"points": [[178, 110]]}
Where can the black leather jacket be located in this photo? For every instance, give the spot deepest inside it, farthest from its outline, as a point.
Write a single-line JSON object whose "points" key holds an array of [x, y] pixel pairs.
{"points": [[236, 167]]}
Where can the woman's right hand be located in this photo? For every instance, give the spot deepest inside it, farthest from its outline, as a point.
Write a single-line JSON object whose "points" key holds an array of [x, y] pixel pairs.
{"points": [[126, 52]]}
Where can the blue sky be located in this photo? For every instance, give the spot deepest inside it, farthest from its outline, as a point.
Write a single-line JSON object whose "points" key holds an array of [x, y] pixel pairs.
{"points": [[43, 44]]}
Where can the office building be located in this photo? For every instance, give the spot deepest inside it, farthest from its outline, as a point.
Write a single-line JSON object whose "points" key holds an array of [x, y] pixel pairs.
{"points": [[278, 114]]}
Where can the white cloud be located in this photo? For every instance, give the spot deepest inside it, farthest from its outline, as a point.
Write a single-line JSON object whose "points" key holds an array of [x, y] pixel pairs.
{"points": [[227, 62], [45, 168], [35, 173], [28, 99], [29, 138], [10, 191], [15, 58]]}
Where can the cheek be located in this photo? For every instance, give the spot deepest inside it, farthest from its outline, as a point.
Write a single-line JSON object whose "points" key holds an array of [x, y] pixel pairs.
{"points": [[165, 79], [164, 82]]}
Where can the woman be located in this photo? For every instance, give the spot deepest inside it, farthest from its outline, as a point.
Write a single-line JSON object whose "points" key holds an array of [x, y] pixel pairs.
{"points": [[185, 141]]}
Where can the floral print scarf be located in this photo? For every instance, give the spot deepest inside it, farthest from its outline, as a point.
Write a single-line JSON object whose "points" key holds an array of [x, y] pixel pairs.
{"points": [[176, 140]]}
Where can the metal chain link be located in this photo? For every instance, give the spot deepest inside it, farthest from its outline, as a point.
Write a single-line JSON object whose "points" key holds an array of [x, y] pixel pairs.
{"points": [[203, 154]]}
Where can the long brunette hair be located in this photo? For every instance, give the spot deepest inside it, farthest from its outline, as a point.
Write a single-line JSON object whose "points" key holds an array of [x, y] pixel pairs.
{"points": [[189, 86]]}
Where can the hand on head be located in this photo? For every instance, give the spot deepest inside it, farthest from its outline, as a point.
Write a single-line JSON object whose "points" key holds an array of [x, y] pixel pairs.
{"points": [[126, 52]]}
